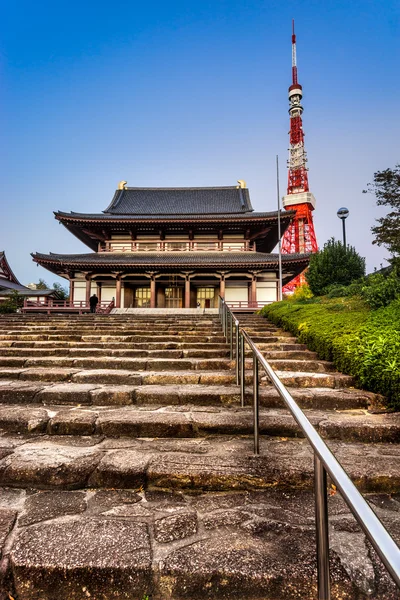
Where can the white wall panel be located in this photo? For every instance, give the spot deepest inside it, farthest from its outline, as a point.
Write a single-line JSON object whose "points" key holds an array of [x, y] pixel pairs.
{"points": [[236, 293]]}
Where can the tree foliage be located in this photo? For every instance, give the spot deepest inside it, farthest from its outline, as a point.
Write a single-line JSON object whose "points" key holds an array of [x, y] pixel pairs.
{"points": [[13, 303], [41, 285], [62, 292], [386, 187], [334, 264]]}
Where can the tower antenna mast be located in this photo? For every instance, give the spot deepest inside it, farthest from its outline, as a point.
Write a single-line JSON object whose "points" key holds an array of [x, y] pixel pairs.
{"points": [[300, 237]]}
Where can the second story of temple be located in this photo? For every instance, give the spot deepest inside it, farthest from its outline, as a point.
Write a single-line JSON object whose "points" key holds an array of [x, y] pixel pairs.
{"points": [[207, 219]]}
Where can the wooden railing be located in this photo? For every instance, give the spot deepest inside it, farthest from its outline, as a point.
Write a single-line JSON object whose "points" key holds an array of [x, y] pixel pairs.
{"points": [[49, 305]]}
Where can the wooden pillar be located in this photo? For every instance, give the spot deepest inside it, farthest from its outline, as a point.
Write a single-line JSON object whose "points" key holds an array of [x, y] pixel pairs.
{"points": [[254, 289], [118, 293], [153, 292], [187, 292], [99, 291], [88, 287], [71, 290], [222, 287]]}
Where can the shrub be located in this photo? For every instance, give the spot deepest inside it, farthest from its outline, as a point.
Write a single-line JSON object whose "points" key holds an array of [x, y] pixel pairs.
{"points": [[344, 291], [334, 264], [300, 294], [380, 290], [361, 342]]}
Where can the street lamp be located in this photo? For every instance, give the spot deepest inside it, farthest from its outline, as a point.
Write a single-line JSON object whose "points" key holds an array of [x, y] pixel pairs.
{"points": [[343, 213]]}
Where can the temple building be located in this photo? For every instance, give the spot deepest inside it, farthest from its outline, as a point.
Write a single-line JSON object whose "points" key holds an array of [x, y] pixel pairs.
{"points": [[175, 248], [9, 284]]}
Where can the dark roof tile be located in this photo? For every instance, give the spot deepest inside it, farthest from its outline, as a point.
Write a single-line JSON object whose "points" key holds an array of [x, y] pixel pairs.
{"points": [[180, 201], [180, 259]]}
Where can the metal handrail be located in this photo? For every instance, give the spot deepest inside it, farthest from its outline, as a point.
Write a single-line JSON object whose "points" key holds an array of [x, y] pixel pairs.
{"points": [[324, 462]]}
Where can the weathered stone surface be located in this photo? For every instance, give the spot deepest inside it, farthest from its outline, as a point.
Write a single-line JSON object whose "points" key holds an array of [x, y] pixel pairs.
{"points": [[144, 424], [365, 428], [108, 376], [172, 378], [7, 520], [235, 566], [48, 466], [66, 393], [73, 422], [103, 500], [355, 559], [10, 373], [87, 558], [119, 395], [43, 506], [154, 394], [176, 526], [310, 380], [121, 468], [15, 419], [15, 392], [370, 470], [233, 470], [47, 374]]}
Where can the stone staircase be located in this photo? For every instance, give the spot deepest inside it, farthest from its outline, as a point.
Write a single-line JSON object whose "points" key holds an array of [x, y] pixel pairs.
{"points": [[126, 465]]}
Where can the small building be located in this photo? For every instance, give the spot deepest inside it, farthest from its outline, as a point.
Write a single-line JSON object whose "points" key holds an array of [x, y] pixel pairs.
{"points": [[9, 284], [174, 248]]}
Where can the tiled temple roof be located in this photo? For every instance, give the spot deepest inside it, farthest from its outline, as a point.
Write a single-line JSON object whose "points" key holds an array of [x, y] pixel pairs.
{"points": [[285, 216], [153, 260], [180, 201]]}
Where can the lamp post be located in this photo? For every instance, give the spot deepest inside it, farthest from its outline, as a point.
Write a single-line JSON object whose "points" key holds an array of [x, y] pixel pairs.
{"points": [[343, 213]]}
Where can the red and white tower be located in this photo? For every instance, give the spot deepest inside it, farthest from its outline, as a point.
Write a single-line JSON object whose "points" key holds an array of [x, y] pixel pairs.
{"points": [[300, 236]]}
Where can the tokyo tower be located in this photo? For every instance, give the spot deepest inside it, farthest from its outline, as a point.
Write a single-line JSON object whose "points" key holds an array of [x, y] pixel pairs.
{"points": [[300, 236]]}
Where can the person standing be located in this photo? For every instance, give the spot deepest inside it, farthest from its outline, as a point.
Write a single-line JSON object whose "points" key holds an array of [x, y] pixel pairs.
{"points": [[93, 300]]}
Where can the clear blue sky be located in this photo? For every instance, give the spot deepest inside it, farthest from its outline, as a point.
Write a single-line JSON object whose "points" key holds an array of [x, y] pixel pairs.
{"points": [[180, 93]]}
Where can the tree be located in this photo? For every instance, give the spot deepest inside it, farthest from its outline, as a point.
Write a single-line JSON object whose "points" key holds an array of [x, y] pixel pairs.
{"points": [[61, 291], [386, 187], [42, 285], [13, 303], [334, 264]]}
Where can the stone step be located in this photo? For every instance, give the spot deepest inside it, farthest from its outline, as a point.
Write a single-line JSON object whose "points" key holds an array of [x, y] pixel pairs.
{"points": [[87, 394], [135, 364], [164, 352], [201, 376], [176, 344], [193, 421], [153, 543], [93, 352], [213, 463], [112, 326], [204, 339]]}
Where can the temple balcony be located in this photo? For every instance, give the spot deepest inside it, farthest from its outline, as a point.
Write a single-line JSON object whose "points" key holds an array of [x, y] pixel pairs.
{"points": [[188, 246]]}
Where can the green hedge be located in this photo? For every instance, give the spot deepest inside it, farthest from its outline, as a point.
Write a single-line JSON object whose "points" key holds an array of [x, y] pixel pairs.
{"points": [[360, 342]]}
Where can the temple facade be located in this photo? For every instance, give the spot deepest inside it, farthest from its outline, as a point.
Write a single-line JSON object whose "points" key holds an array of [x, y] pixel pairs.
{"points": [[176, 248]]}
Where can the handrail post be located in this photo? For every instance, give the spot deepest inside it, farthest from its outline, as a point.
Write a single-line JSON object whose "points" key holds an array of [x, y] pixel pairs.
{"points": [[256, 406], [321, 522], [231, 334], [242, 370], [237, 351]]}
